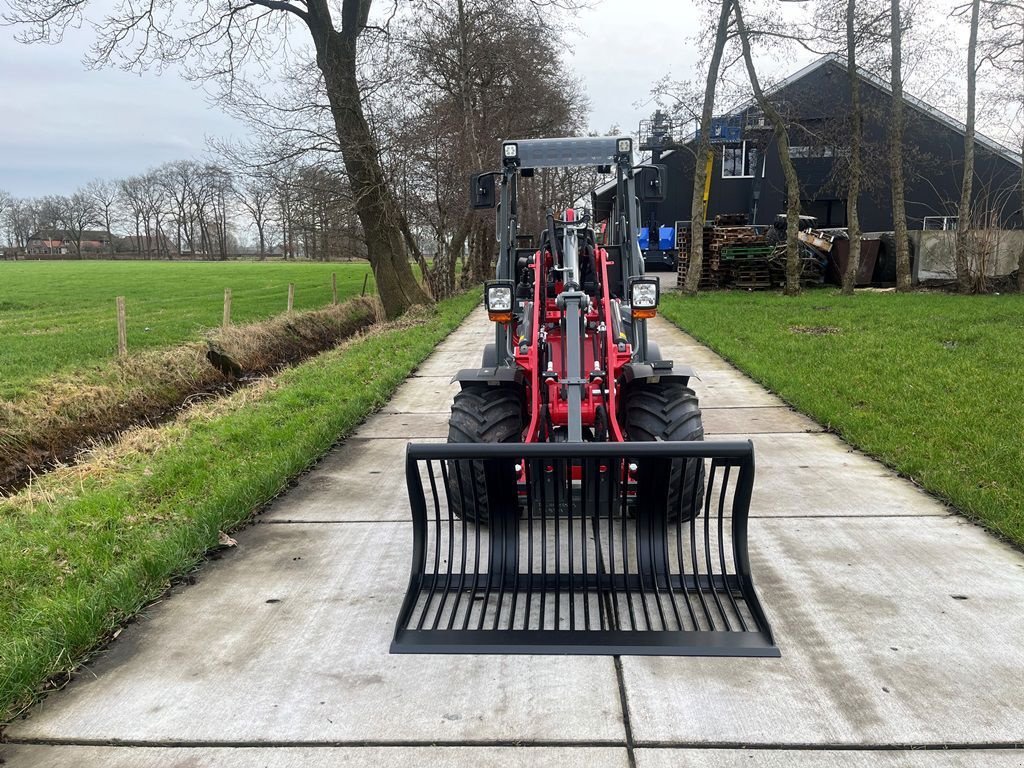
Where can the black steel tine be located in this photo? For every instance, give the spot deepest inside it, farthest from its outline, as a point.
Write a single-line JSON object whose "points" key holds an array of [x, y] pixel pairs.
{"points": [[682, 562], [528, 467], [664, 550], [504, 526], [437, 542], [493, 530], [543, 542], [476, 542], [572, 570], [614, 470], [639, 559], [586, 474], [707, 548], [650, 549], [693, 550], [451, 546], [465, 545], [721, 555], [558, 543], [625, 544]]}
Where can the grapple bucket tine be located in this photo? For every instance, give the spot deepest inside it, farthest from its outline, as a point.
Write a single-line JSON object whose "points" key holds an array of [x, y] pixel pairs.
{"points": [[581, 549]]}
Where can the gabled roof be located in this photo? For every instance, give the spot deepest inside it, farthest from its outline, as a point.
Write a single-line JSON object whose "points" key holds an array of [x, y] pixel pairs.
{"points": [[912, 101]]}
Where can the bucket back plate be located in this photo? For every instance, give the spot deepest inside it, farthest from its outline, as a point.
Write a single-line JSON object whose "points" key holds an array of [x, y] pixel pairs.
{"points": [[594, 548]]}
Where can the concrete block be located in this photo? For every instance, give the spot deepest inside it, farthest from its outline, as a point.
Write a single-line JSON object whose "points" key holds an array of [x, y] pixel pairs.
{"points": [[286, 639], [48, 756], [895, 631], [754, 421], [825, 758]]}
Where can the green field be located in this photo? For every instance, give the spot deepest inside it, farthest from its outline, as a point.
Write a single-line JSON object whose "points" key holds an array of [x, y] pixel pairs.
{"points": [[930, 383], [60, 315]]}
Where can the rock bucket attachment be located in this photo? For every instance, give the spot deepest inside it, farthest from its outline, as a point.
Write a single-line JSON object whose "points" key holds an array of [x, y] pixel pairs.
{"points": [[587, 549]]}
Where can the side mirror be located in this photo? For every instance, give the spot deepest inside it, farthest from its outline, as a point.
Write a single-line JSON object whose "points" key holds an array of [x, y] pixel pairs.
{"points": [[482, 190], [651, 183]]}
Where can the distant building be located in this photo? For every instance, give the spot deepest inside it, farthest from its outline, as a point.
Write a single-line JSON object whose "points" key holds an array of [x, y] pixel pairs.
{"points": [[62, 241], [747, 176]]}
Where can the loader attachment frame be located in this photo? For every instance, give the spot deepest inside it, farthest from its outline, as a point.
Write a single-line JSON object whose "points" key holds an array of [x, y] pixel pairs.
{"points": [[587, 550]]}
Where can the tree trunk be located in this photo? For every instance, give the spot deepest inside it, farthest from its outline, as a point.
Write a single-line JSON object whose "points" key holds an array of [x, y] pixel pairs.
{"points": [[1020, 260], [781, 132], [854, 172], [375, 204], [964, 239], [700, 170], [899, 206]]}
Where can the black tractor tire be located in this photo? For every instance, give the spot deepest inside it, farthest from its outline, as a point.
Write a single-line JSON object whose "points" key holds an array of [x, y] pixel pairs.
{"points": [[480, 414], [669, 411]]}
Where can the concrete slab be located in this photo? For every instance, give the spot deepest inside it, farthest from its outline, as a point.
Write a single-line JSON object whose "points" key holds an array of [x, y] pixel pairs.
{"points": [[36, 756], [823, 758], [819, 475], [423, 394], [361, 481], [407, 426], [895, 631], [754, 421], [733, 392], [286, 639]]}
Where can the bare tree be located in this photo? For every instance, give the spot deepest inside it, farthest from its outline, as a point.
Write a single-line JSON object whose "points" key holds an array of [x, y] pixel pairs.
{"points": [[217, 39], [964, 240], [700, 169], [104, 195], [780, 129], [896, 125], [854, 165], [255, 195]]}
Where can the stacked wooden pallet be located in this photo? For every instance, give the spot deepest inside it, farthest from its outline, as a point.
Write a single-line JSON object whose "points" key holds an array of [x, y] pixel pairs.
{"points": [[709, 272]]}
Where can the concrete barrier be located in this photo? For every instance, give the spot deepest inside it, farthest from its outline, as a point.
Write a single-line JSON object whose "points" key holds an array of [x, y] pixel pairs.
{"points": [[998, 253]]}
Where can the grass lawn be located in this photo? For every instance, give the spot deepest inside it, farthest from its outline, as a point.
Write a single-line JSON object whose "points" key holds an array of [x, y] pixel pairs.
{"points": [[88, 546], [60, 315], [932, 384]]}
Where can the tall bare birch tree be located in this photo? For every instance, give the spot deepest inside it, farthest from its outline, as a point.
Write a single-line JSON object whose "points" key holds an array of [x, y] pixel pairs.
{"points": [[964, 237], [700, 168], [780, 130], [854, 170], [896, 125]]}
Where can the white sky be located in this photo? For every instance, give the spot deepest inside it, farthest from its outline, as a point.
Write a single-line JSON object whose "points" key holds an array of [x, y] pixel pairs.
{"points": [[62, 125]]}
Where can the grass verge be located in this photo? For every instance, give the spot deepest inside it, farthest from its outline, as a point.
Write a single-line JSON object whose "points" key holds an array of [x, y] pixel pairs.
{"points": [[59, 316], [929, 383], [66, 411], [87, 548]]}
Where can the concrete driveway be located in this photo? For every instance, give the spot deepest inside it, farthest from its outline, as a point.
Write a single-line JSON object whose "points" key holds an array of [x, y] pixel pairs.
{"points": [[900, 627]]}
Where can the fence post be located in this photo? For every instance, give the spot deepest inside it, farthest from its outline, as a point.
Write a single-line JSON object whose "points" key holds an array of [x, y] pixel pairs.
{"points": [[122, 328], [226, 321], [334, 287], [291, 296], [365, 278]]}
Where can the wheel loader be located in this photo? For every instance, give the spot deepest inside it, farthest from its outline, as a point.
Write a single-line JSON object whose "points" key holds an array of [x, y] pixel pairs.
{"points": [[576, 507]]}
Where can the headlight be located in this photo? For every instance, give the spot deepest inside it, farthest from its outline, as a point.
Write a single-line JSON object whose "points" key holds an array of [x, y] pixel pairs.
{"points": [[511, 150], [644, 293], [499, 299], [625, 146]]}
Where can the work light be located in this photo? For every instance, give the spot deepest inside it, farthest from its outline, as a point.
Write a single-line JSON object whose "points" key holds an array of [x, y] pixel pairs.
{"points": [[511, 149], [498, 298], [644, 293], [625, 146]]}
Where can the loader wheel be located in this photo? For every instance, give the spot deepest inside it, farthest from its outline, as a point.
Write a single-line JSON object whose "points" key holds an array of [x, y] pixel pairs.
{"points": [[669, 411], [480, 414]]}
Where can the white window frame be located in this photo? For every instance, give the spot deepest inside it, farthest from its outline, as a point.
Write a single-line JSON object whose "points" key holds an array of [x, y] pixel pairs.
{"points": [[743, 150]]}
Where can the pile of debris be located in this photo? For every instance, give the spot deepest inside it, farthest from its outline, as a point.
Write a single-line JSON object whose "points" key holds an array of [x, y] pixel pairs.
{"points": [[738, 255]]}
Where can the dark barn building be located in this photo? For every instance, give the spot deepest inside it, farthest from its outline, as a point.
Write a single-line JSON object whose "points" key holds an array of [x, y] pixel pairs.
{"points": [[747, 176]]}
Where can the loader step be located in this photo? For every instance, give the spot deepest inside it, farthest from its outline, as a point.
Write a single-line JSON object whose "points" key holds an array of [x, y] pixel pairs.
{"points": [[593, 560]]}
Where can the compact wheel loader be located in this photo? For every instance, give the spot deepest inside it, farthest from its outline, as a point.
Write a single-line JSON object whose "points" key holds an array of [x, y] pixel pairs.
{"points": [[576, 508]]}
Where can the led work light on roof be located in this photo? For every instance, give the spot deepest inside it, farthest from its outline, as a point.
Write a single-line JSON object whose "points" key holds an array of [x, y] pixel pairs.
{"points": [[625, 146], [644, 294], [499, 300], [511, 150]]}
